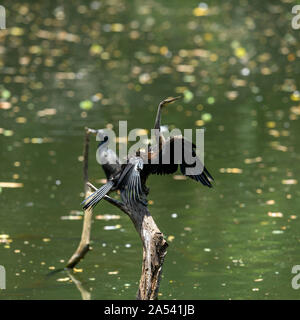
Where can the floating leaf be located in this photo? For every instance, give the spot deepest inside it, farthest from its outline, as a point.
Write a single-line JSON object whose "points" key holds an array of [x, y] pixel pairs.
{"points": [[275, 214], [240, 52], [46, 112], [231, 170], [11, 185], [199, 123], [210, 100], [171, 238], [113, 272], [5, 94], [188, 96], [179, 177], [8, 133], [16, 31], [271, 124], [289, 181], [277, 231], [206, 117], [118, 226], [270, 202], [231, 95], [71, 217], [295, 96], [107, 217], [37, 140], [117, 27], [5, 105], [63, 279], [86, 105], [21, 120], [200, 11], [96, 49], [254, 160]]}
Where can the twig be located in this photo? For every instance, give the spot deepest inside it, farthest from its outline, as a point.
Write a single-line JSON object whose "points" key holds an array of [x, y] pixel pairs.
{"points": [[84, 245], [120, 205]]}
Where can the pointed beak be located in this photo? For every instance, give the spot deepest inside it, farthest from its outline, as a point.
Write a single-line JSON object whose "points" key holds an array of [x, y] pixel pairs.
{"points": [[171, 100]]}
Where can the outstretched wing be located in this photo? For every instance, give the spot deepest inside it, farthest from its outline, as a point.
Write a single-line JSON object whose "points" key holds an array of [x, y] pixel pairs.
{"points": [[130, 180], [179, 151]]}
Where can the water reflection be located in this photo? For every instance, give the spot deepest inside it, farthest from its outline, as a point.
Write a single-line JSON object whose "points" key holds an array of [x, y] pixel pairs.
{"points": [[69, 65]]}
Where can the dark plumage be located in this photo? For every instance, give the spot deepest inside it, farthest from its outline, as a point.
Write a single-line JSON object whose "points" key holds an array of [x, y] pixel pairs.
{"points": [[130, 178]]}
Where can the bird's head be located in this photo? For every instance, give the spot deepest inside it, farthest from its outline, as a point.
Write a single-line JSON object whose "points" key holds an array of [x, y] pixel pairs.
{"points": [[168, 101]]}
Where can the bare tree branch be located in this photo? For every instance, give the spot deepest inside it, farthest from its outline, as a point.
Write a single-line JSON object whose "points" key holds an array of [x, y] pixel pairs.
{"points": [[154, 251], [154, 244], [120, 205], [84, 245]]}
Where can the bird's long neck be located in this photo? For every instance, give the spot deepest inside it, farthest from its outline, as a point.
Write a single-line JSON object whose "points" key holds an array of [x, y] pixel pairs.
{"points": [[158, 117], [157, 125]]}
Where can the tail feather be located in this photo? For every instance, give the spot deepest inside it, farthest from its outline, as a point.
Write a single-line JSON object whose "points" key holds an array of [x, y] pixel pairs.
{"points": [[208, 174], [97, 195]]}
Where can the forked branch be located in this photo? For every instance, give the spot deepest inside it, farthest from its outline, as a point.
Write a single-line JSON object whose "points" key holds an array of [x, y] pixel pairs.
{"points": [[154, 244]]}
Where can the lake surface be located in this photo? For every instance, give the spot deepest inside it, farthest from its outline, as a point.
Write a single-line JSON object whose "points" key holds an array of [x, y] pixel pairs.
{"points": [[67, 65]]}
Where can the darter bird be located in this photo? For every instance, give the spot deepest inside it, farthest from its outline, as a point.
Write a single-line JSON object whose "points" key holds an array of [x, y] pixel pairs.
{"points": [[132, 176]]}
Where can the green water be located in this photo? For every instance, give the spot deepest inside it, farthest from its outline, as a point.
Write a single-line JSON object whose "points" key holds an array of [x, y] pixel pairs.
{"points": [[237, 62]]}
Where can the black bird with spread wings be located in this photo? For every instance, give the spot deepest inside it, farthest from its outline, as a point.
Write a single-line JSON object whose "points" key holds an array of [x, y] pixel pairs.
{"points": [[132, 176]]}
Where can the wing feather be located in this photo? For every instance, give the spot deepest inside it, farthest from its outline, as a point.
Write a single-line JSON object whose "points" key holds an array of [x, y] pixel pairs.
{"points": [[130, 180], [168, 152]]}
